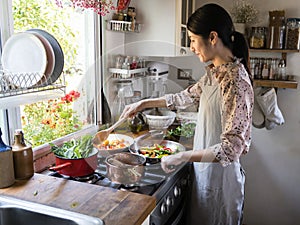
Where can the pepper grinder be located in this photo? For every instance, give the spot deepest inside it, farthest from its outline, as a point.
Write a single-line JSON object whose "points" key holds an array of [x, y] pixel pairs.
{"points": [[23, 157], [7, 177]]}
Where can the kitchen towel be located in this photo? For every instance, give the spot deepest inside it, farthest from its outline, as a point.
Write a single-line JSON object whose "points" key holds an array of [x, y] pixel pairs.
{"points": [[267, 100]]}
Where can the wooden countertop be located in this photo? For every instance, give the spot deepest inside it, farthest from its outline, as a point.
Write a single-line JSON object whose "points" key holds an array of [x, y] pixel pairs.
{"points": [[111, 205]]}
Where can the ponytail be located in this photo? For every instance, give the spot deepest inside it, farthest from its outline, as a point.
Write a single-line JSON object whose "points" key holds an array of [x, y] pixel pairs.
{"points": [[240, 49]]}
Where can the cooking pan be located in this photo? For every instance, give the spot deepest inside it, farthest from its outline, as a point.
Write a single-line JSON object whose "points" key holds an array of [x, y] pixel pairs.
{"points": [[151, 138], [76, 167]]}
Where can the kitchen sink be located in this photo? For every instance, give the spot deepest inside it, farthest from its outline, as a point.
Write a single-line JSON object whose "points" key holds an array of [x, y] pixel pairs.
{"points": [[19, 212]]}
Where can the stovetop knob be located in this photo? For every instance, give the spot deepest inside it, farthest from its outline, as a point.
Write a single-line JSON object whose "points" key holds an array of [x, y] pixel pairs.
{"points": [[169, 201], [163, 208], [177, 191]]}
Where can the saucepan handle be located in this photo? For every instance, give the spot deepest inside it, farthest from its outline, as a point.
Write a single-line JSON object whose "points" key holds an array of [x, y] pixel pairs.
{"points": [[60, 167]]}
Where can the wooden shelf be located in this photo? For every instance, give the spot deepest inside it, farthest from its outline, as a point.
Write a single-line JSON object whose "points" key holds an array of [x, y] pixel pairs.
{"points": [[276, 83], [273, 50]]}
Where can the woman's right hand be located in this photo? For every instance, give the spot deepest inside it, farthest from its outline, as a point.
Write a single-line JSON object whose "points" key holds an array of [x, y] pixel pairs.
{"points": [[132, 109]]}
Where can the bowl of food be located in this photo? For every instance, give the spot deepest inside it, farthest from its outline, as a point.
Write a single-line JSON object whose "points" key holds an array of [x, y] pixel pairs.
{"points": [[115, 143], [159, 119], [125, 168]]}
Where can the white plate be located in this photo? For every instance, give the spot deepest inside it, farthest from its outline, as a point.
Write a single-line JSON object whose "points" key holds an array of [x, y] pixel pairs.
{"points": [[24, 56]]}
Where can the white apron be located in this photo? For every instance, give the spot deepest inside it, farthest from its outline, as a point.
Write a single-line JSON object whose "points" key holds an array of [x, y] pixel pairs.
{"points": [[218, 192]]}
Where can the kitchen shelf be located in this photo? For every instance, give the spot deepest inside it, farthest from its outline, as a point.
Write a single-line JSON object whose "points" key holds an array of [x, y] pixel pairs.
{"points": [[123, 26], [282, 51], [276, 83], [125, 74]]}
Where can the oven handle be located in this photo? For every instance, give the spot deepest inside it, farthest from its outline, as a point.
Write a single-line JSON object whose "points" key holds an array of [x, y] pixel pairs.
{"points": [[178, 217]]}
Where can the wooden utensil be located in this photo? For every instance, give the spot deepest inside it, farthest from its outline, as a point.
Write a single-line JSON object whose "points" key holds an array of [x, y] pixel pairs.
{"points": [[102, 135]]}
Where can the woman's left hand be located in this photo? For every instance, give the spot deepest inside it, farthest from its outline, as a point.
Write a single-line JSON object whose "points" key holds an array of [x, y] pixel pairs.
{"points": [[169, 162]]}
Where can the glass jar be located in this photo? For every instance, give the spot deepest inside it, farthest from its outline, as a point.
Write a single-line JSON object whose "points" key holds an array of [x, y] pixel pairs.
{"points": [[257, 37], [292, 33]]}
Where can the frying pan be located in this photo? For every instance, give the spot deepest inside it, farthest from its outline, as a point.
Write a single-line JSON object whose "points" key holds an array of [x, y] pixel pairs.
{"points": [[76, 167], [151, 138]]}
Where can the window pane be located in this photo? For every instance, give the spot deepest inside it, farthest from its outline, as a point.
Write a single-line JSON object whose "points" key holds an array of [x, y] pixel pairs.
{"points": [[47, 120]]}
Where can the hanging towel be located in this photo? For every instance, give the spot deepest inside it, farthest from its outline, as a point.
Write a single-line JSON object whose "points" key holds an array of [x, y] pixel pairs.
{"points": [[267, 100]]}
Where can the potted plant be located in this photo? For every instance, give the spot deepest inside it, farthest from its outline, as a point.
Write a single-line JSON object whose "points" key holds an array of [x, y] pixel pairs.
{"points": [[243, 13]]}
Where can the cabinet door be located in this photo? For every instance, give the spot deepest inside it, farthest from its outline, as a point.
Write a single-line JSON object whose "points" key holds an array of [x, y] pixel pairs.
{"points": [[186, 8]]}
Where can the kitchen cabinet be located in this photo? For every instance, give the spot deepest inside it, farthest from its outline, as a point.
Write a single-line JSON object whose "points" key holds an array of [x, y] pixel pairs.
{"points": [[275, 83], [187, 7]]}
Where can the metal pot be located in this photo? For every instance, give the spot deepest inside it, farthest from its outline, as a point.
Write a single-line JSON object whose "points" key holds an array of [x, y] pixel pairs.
{"points": [[76, 167], [125, 168], [151, 138]]}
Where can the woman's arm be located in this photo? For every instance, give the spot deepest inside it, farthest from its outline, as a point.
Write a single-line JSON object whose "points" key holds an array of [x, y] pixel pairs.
{"points": [[132, 109]]}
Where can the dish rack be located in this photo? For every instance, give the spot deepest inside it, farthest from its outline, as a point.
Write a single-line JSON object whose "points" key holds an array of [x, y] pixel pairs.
{"points": [[12, 86]]}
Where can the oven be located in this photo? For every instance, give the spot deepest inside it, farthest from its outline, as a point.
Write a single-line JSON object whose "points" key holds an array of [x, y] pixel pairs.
{"points": [[170, 190]]}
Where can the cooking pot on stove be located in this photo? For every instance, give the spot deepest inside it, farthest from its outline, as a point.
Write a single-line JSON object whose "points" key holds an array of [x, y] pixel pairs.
{"points": [[76, 167], [125, 168]]}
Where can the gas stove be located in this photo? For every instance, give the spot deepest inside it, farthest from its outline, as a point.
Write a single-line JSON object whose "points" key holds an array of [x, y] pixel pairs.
{"points": [[170, 190]]}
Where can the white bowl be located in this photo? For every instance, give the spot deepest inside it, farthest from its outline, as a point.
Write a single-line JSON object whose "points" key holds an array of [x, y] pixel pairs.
{"points": [[157, 122]]}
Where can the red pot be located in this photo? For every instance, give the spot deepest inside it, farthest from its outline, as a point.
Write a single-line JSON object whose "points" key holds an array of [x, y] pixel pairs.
{"points": [[76, 167]]}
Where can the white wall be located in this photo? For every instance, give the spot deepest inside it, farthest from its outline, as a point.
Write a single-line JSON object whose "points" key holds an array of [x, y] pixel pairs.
{"points": [[273, 163]]}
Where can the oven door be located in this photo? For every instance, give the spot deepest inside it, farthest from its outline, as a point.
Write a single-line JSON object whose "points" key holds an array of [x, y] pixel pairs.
{"points": [[171, 209]]}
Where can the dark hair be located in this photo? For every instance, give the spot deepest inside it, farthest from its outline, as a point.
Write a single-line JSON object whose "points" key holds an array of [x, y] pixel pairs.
{"points": [[212, 17]]}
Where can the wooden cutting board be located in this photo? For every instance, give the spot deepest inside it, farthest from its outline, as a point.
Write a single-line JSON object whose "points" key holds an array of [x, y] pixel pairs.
{"points": [[113, 206]]}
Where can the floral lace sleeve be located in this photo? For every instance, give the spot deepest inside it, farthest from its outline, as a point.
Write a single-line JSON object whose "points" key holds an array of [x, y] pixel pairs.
{"points": [[237, 104], [186, 98]]}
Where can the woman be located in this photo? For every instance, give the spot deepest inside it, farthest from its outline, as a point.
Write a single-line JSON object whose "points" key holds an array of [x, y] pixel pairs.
{"points": [[223, 132]]}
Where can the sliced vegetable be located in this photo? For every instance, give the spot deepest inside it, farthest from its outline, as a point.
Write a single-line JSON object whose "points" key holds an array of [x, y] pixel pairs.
{"points": [[156, 151]]}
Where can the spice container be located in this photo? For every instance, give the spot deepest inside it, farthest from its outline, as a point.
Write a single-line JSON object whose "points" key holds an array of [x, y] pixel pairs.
{"points": [[276, 29], [282, 70], [257, 37], [7, 176], [292, 33], [22, 156]]}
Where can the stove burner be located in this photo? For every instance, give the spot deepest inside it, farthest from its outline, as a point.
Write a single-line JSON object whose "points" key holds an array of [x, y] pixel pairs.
{"points": [[91, 179], [131, 188]]}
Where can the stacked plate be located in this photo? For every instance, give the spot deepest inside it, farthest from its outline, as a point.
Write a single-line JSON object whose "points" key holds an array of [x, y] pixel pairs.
{"points": [[31, 59]]}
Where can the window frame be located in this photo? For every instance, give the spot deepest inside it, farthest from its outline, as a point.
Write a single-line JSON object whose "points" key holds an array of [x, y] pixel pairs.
{"points": [[12, 117]]}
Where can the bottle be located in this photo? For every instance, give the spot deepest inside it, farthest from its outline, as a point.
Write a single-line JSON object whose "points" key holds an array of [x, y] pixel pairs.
{"points": [[7, 176], [23, 157], [282, 70], [265, 72]]}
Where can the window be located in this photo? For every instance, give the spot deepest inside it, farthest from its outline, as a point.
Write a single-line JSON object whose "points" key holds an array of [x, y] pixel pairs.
{"points": [[78, 36]]}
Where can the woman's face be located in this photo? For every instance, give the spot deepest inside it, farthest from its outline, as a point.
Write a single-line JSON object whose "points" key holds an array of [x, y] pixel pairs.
{"points": [[201, 47]]}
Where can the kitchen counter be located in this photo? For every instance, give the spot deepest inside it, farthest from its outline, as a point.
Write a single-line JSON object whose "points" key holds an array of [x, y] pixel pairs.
{"points": [[111, 205]]}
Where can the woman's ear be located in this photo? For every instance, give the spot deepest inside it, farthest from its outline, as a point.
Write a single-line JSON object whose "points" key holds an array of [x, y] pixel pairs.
{"points": [[213, 36]]}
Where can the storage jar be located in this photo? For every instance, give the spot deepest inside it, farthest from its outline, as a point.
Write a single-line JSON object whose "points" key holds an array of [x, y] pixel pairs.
{"points": [[257, 37], [292, 33]]}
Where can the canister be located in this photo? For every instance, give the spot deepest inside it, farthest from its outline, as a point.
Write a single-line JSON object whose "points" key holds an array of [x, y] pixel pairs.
{"points": [[292, 33], [22, 157], [7, 176]]}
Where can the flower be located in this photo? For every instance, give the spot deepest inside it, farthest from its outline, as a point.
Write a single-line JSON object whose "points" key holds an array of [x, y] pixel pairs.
{"points": [[45, 121], [101, 7], [244, 12]]}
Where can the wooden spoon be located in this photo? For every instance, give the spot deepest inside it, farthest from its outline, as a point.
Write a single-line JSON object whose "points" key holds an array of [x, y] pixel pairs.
{"points": [[102, 135]]}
